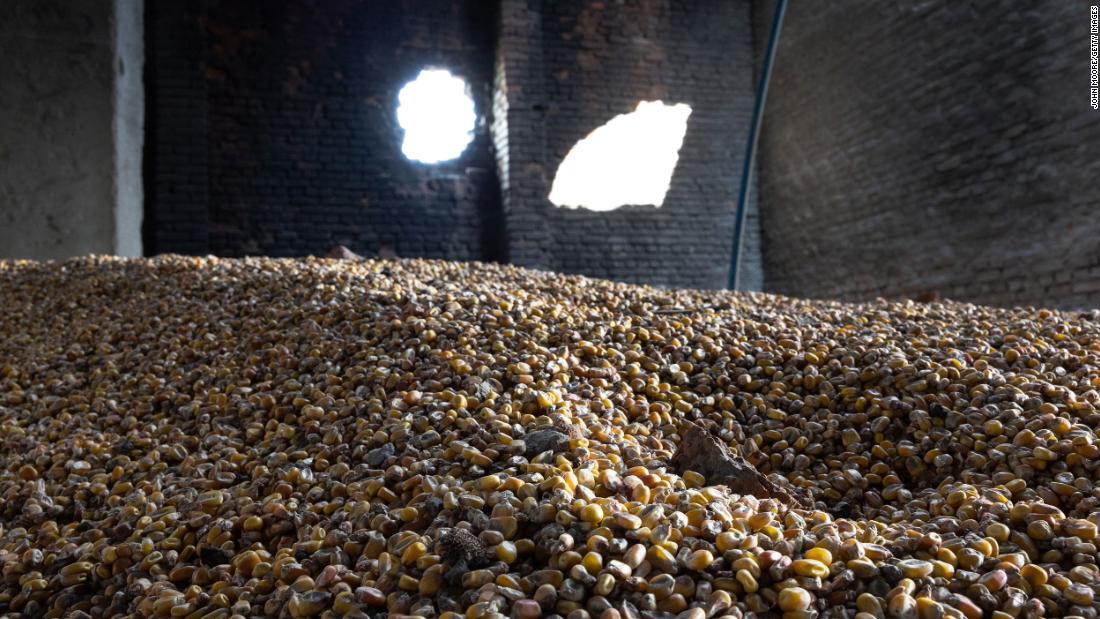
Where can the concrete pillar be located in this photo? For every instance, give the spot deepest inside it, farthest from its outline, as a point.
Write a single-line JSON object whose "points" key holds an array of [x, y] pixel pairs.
{"points": [[71, 127]]}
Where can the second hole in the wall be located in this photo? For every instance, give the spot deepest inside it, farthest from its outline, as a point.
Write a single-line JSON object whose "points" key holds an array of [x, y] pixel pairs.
{"points": [[627, 160]]}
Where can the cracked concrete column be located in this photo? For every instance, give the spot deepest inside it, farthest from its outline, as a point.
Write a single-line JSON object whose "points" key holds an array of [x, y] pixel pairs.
{"points": [[71, 128]]}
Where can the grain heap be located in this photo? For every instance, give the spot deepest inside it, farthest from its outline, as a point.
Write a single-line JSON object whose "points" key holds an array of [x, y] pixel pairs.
{"points": [[187, 437]]}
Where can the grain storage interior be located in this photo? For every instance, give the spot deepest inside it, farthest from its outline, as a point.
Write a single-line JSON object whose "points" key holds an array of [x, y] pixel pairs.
{"points": [[577, 309]]}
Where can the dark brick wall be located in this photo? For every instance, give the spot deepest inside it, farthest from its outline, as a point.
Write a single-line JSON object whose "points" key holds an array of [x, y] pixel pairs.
{"points": [[935, 146], [176, 196], [274, 128], [568, 66]]}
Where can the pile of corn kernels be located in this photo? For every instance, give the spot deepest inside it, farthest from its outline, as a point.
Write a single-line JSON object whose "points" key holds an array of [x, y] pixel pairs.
{"points": [[200, 437]]}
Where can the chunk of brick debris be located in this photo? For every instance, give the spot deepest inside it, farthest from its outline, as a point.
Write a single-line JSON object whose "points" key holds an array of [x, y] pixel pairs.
{"points": [[378, 456], [342, 253], [545, 440], [703, 453]]}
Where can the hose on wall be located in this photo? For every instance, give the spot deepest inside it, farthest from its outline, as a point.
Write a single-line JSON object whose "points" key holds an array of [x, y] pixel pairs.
{"points": [[750, 147]]}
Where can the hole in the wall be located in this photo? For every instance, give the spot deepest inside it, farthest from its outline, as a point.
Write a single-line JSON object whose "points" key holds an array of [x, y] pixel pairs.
{"points": [[628, 160], [438, 116]]}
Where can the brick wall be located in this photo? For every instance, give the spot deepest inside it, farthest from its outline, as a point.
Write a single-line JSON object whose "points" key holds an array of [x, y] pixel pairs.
{"points": [[275, 128], [935, 146], [569, 66], [177, 195]]}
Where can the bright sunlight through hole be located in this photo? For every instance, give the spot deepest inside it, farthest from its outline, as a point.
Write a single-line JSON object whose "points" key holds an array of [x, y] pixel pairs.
{"points": [[437, 115], [628, 160]]}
